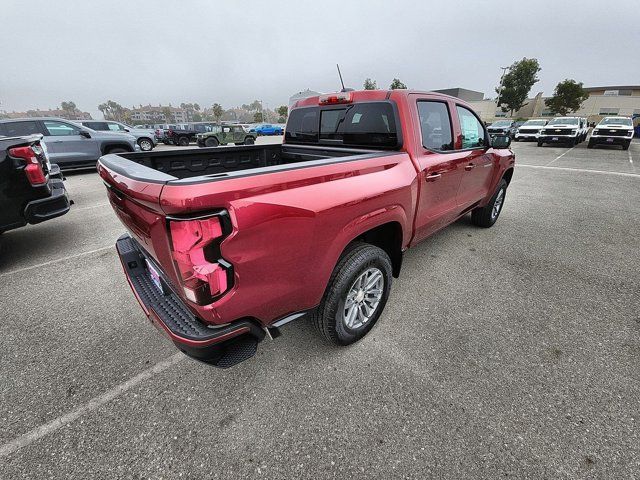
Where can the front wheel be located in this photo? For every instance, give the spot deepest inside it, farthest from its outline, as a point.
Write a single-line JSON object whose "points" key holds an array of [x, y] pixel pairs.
{"points": [[183, 141], [249, 141], [356, 294], [486, 216], [211, 142], [626, 145], [590, 144], [539, 143]]}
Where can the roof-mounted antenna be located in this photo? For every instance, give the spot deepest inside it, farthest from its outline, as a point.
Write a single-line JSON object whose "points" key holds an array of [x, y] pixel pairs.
{"points": [[344, 89]]}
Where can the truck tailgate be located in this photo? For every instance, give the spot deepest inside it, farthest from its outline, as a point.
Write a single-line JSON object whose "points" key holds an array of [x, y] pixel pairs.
{"points": [[135, 198]]}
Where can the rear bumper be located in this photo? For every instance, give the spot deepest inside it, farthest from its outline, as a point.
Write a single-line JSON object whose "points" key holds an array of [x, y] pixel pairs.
{"points": [[220, 346], [50, 207]]}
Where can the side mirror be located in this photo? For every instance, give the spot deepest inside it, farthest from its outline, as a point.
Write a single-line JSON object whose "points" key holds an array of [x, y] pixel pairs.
{"points": [[85, 134], [501, 141], [126, 129]]}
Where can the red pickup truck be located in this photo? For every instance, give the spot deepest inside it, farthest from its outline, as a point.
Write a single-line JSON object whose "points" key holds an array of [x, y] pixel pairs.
{"points": [[226, 245]]}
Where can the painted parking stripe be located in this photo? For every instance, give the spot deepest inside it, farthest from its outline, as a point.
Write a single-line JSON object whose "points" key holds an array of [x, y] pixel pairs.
{"points": [[93, 404], [560, 156], [57, 260], [580, 170]]}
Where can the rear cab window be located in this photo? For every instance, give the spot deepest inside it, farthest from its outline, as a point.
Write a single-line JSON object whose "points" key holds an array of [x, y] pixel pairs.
{"points": [[364, 124]]}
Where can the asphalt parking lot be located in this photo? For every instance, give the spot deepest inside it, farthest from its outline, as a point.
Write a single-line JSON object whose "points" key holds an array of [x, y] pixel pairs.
{"points": [[507, 352]]}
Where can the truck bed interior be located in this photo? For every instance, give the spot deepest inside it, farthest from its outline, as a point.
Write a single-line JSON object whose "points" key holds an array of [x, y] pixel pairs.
{"points": [[222, 161]]}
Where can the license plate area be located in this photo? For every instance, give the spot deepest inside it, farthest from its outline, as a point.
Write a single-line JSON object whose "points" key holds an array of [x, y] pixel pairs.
{"points": [[555, 139], [609, 139], [155, 277]]}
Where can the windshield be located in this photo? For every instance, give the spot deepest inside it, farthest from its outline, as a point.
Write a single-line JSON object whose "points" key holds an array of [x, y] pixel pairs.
{"points": [[617, 121], [534, 123], [501, 123], [564, 121]]}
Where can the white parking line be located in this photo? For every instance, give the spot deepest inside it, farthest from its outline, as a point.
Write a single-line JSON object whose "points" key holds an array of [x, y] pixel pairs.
{"points": [[560, 156], [96, 402], [11, 272], [78, 209], [581, 170]]}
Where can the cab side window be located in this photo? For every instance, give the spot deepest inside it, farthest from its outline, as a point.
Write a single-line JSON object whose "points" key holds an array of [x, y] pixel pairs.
{"points": [[473, 133], [435, 125], [17, 129]]}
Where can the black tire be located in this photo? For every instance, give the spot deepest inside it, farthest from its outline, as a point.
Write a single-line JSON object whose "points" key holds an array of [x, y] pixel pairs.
{"points": [[328, 318], [626, 146], [146, 144], [484, 217], [249, 141], [590, 144], [183, 141], [117, 150], [211, 142], [540, 143]]}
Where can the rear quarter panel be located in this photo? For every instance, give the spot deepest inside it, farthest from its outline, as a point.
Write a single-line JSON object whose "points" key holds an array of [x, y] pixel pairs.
{"points": [[289, 228]]}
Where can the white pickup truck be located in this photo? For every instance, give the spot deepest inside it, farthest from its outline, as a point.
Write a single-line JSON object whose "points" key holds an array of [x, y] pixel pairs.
{"points": [[612, 131], [530, 130]]}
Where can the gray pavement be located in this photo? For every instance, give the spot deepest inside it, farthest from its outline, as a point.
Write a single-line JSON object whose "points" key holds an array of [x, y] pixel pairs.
{"points": [[507, 352]]}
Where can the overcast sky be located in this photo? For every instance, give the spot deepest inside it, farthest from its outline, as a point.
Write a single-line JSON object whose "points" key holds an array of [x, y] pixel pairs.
{"points": [[233, 52]]}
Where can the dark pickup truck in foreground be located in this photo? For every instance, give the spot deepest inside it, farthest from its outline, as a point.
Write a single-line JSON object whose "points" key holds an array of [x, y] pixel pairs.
{"points": [[226, 245], [31, 189]]}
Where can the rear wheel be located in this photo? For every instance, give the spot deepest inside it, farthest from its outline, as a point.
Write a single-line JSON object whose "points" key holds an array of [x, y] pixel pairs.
{"points": [[146, 145], [356, 294], [211, 142], [249, 141], [486, 216], [117, 150], [183, 141]]}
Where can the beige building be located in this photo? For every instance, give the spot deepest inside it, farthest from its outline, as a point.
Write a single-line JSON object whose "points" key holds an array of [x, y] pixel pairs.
{"points": [[602, 101]]}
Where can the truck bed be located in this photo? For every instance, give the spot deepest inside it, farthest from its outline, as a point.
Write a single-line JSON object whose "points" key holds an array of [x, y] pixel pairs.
{"points": [[207, 164]]}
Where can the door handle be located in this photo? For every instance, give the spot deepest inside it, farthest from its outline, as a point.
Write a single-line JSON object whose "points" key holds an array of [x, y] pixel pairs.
{"points": [[432, 177], [470, 167], [57, 141]]}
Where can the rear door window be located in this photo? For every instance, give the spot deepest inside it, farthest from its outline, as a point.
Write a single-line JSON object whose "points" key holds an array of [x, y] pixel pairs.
{"points": [[18, 129], [435, 125], [96, 125], [59, 129]]}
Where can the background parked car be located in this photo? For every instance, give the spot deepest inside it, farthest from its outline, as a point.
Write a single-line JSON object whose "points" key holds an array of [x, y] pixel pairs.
{"points": [[530, 130], [612, 131], [267, 129], [503, 127], [146, 138], [225, 134], [68, 144]]}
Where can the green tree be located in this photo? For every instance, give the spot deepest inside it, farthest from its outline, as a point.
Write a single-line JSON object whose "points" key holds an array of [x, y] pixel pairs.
{"points": [[197, 117], [218, 111], [397, 85], [168, 114], [257, 117], [370, 84], [113, 111], [69, 107], [568, 97], [517, 83], [254, 106], [282, 111]]}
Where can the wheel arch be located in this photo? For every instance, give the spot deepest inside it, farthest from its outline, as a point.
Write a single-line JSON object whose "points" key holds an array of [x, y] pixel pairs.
{"points": [[508, 175], [107, 146]]}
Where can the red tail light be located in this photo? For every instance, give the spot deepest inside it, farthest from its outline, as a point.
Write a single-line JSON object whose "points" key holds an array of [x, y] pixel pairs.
{"points": [[342, 97], [196, 253], [33, 169]]}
